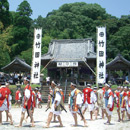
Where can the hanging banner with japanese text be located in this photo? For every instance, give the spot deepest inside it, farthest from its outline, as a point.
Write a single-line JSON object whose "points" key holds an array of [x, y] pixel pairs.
{"points": [[67, 64], [101, 54], [36, 62]]}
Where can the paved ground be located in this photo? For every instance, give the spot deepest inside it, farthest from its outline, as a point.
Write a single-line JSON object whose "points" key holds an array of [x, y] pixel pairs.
{"points": [[40, 117]]}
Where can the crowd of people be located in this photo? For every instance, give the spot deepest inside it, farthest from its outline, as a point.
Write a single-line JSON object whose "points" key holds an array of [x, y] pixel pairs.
{"points": [[94, 99], [13, 78]]}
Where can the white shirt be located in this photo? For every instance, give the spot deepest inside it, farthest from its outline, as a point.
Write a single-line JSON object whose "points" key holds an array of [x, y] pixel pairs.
{"points": [[79, 99], [27, 93], [47, 78], [57, 98]]}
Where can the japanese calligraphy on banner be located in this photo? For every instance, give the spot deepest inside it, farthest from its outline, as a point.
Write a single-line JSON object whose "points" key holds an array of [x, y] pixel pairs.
{"points": [[36, 62], [67, 64], [101, 54]]}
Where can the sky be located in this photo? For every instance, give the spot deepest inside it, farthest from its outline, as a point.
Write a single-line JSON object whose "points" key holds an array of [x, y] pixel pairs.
{"points": [[42, 7]]}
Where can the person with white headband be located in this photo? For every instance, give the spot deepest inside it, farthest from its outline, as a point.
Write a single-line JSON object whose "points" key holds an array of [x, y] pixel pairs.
{"points": [[75, 103], [27, 103], [55, 108], [89, 100], [109, 103]]}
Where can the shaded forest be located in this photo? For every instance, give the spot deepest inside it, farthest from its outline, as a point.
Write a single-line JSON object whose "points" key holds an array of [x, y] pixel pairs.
{"points": [[71, 21]]}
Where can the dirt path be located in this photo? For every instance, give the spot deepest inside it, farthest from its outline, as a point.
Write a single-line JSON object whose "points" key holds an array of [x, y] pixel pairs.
{"points": [[40, 117]]}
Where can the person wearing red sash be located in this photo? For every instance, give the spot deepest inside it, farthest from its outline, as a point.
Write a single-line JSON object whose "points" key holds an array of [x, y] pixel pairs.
{"points": [[123, 103], [33, 99], [27, 103], [8, 114], [5, 102], [128, 103], [88, 99], [118, 101], [109, 103], [33, 104], [38, 98], [18, 97]]}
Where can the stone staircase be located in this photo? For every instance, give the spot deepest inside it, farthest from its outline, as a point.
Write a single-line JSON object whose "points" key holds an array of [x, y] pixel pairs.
{"points": [[66, 90]]}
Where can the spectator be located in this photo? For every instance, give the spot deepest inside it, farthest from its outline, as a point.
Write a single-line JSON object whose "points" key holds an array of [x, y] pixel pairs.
{"points": [[48, 81], [15, 78], [18, 97]]}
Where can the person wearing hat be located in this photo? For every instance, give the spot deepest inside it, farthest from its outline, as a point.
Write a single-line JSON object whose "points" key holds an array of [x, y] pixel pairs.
{"points": [[27, 103], [89, 100], [55, 108], [75, 103], [109, 103], [118, 101]]}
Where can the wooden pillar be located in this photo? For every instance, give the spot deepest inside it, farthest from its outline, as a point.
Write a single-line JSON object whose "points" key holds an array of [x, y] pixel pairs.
{"points": [[61, 76], [129, 74], [109, 75]]}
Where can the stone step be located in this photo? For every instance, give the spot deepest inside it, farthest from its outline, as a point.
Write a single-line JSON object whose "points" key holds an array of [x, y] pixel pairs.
{"points": [[45, 91]]}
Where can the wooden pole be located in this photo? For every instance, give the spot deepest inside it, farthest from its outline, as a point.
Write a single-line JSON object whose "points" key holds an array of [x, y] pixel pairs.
{"points": [[46, 65]]}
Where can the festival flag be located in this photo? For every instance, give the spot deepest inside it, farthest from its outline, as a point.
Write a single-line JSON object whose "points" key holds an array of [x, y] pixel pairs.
{"points": [[101, 54], [36, 62]]}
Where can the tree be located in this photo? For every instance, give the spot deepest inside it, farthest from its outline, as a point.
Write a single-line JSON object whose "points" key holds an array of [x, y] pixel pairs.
{"points": [[45, 43], [5, 49], [5, 16], [72, 21], [27, 56], [120, 43], [22, 23]]}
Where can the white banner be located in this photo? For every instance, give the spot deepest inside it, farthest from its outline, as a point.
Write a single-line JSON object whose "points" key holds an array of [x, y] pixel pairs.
{"points": [[36, 62], [101, 54], [67, 64]]}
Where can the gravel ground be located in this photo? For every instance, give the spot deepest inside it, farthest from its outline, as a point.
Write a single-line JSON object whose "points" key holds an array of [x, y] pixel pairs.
{"points": [[40, 117]]}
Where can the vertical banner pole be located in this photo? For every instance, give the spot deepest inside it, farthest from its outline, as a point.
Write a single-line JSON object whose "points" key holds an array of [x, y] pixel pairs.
{"points": [[36, 56], [101, 55]]}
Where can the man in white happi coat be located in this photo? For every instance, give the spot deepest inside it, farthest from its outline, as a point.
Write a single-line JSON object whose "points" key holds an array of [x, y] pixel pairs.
{"points": [[55, 108]]}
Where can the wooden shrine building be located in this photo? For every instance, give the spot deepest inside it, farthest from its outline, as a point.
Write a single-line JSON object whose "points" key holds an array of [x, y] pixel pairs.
{"points": [[70, 59]]}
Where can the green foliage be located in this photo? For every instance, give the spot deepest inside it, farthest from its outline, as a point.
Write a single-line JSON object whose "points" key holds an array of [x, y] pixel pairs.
{"points": [[45, 43], [5, 16], [73, 21], [24, 9], [70, 21], [27, 56], [120, 43], [5, 49], [22, 23], [44, 73]]}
